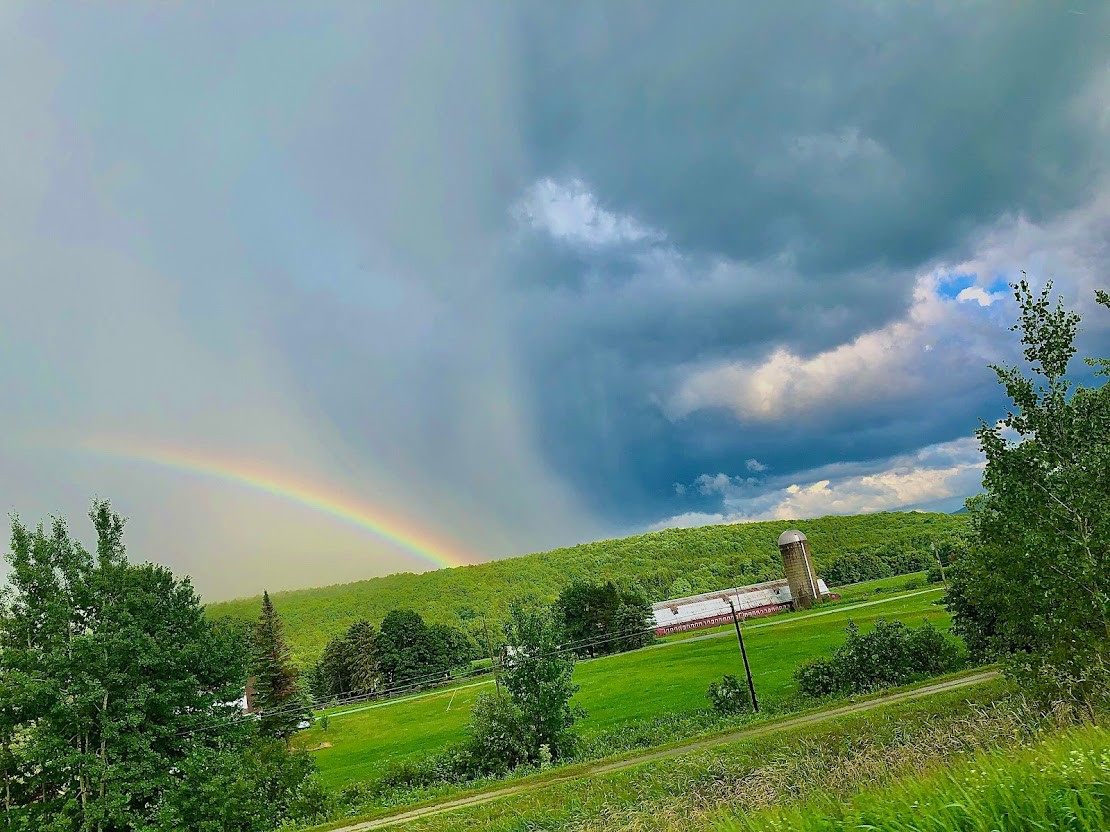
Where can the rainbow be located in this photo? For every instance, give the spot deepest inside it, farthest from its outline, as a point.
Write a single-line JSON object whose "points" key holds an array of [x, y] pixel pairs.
{"points": [[399, 532]]}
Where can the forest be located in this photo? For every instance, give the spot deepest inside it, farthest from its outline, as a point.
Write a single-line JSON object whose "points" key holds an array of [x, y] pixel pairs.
{"points": [[656, 565]]}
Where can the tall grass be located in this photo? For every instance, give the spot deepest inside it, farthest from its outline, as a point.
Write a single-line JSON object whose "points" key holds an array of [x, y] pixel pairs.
{"points": [[1061, 783]]}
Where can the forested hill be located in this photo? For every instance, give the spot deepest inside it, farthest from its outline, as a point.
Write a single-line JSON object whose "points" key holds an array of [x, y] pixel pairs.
{"points": [[663, 564]]}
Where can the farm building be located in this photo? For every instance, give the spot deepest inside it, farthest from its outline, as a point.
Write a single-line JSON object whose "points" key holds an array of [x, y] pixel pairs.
{"points": [[710, 609], [799, 590]]}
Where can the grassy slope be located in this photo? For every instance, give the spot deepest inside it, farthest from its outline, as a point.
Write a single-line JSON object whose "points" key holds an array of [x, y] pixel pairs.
{"points": [[1062, 783], [708, 557], [616, 690]]}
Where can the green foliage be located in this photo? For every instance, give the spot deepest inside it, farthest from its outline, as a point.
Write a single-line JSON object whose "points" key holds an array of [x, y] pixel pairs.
{"points": [[1033, 587], [705, 558], [499, 735], [281, 703], [729, 696], [889, 655], [349, 664], [598, 619], [248, 789], [540, 680], [109, 672], [409, 651]]}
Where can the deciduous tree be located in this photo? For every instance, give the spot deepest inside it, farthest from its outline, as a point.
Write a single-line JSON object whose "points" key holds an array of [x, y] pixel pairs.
{"points": [[1032, 587]]}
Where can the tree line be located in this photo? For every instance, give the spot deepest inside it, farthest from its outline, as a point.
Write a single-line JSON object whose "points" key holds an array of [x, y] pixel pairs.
{"points": [[405, 652], [660, 565]]}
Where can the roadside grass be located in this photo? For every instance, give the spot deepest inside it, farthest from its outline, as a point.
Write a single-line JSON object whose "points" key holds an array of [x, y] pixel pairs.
{"points": [[694, 790], [618, 692], [1060, 783]]}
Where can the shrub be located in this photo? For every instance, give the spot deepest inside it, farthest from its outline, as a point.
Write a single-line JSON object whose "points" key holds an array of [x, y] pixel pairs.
{"points": [[498, 735], [890, 654], [818, 677], [729, 696]]}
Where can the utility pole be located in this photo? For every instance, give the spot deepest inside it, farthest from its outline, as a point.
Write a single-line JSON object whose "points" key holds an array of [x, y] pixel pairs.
{"points": [[744, 653], [492, 663], [936, 555]]}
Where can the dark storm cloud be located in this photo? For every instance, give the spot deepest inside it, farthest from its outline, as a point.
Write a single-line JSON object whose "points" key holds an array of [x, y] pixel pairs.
{"points": [[842, 133], [803, 168]]}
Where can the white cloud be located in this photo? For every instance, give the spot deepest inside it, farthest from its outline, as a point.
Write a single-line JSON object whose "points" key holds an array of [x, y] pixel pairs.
{"points": [[689, 520], [940, 339], [570, 213], [980, 295], [930, 476], [755, 466], [877, 365]]}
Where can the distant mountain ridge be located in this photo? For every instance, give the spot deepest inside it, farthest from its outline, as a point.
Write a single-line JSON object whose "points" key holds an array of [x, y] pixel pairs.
{"points": [[699, 559]]}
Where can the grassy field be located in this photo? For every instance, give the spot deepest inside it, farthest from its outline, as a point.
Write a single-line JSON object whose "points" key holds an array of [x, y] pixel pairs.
{"points": [[1061, 783], [835, 759], [705, 558], [617, 690]]}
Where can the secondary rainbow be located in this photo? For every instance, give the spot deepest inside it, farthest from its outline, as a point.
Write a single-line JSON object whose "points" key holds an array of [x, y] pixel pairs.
{"points": [[396, 531]]}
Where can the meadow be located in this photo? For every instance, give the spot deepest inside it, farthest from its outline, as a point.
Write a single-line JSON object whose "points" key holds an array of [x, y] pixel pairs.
{"points": [[619, 692], [1061, 782], [662, 564], [721, 783]]}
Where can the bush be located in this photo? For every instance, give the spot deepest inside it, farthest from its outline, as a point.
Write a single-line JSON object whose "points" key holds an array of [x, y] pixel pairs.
{"points": [[252, 790], [499, 735], [729, 696], [818, 677], [891, 654]]}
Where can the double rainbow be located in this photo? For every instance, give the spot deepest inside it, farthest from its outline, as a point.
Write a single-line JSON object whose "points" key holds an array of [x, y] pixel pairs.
{"points": [[397, 531]]}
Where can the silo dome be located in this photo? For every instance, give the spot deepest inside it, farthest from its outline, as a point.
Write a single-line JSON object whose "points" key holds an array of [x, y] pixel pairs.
{"points": [[790, 536]]}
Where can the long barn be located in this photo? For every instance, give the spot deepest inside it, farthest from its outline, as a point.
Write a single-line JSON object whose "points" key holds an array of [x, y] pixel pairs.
{"points": [[710, 609]]}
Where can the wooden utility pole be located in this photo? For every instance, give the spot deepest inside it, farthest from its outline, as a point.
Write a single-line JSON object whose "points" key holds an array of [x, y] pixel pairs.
{"points": [[492, 663], [936, 555], [744, 653]]}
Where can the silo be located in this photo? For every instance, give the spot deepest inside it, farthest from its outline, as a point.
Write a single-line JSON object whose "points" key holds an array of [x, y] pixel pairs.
{"points": [[799, 569]]}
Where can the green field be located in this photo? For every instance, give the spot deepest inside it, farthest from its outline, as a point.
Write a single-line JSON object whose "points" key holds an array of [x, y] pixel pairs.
{"points": [[1061, 783], [616, 690], [700, 559]]}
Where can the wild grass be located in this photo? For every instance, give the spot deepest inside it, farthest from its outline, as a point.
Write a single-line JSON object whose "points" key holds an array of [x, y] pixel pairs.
{"points": [[1061, 783], [815, 766]]}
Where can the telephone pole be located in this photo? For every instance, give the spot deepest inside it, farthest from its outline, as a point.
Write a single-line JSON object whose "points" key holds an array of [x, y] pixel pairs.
{"points": [[744, 653], [492, 663], [936, 555]]}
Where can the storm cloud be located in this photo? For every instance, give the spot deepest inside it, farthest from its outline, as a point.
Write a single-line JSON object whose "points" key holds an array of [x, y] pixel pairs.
{"points": [[521, 275]]}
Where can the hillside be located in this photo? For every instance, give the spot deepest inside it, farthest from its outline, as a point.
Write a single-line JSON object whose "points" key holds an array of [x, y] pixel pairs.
{"points": [[700, 559]]}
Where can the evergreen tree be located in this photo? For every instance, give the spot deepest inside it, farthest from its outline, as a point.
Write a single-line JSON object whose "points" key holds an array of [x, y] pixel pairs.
{"points": [[363, 662], [277, 694]]}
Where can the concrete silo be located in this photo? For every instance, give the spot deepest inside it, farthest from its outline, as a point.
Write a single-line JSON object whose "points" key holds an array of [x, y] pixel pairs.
{"points": [[799, 569]]}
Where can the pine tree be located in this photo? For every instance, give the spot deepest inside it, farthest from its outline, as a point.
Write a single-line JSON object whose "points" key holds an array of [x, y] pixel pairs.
{"points": [[278, 697]]}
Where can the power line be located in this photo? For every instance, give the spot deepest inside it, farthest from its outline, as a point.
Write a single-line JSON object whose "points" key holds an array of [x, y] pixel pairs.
{"points": [[393, 693]]}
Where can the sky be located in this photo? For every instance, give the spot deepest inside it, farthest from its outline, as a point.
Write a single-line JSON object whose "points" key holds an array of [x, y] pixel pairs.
{"points": [[317, 292]]}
